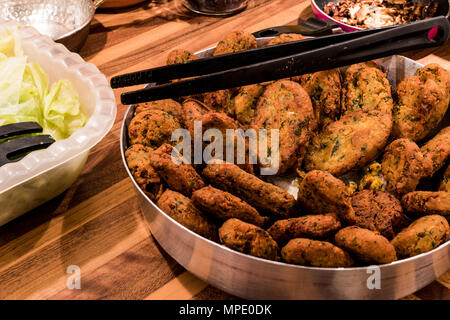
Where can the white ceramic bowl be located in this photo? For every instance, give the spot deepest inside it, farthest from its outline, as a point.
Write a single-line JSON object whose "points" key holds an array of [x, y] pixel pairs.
{"points": [[42, 175]]}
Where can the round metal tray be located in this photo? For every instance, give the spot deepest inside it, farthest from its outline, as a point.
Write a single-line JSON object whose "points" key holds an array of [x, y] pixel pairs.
{"points": [[250, 277]]}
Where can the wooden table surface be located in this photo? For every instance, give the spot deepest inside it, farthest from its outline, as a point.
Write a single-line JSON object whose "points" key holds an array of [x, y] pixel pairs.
{"points": [[96, 224]]}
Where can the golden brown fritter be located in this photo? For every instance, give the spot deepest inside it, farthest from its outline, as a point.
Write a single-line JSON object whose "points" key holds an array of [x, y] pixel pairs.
{"points": [[234, 42], [354, 69], [427, 202], [320, 192], [221, 122], [152, 128], [285, 38], [315, 253], [422, 235], [403, 165], [422, 103], [178, 175], [262, 195], [248, 238], [219, 101], [180, 56], [146, 177], [245, 102], [182, 210], [349, 143], [317, 226], [445, 182], [377, 211], [286, 106], [366, 88], [168, 105], [437, 150], [367, 245], [324, 89], [224, 206], [193, 111], [435, 72]]}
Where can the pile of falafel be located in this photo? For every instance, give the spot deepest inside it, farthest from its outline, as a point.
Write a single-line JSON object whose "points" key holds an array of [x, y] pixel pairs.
{"points": [[331, 123]]}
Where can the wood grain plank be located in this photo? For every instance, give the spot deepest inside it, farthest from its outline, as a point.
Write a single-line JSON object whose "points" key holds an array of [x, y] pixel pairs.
{"points": [[183, 287]]}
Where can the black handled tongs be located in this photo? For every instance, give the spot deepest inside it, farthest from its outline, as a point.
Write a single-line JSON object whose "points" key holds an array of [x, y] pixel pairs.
{"points": [[281, 61], [15, 149]]}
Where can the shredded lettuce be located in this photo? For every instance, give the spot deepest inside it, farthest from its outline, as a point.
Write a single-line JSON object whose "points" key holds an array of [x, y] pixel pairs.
{"points": [[25, 94]]}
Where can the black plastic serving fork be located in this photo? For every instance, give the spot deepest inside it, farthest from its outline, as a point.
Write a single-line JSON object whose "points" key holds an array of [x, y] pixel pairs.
{"points": [[15, 149], [281, 61]]}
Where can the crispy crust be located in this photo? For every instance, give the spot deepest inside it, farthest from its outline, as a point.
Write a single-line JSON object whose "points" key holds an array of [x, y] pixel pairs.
{"points": [[248, 239], [180, 177], [286, 106], [182, 210], [403, 165], [244, 103], [152, 128], [234, 42], [422, 102], [193, 110], [349, 143], [445, 182], [315, 253], [366, 88], [138, 161], [168, 105], [427, 202], [377, 211], [320, 192], [324, 89], [180, 56], [224, 205], [369, 246], [422, 235], [437, 150], [219, 101], [285, 38], [262, 195], [318, 226]]}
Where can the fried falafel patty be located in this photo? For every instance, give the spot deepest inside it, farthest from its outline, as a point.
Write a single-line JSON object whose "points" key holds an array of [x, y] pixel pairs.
{"points": [[403, 165], [138, 160], [377, 211], [262, 195], [366, 88], [224, 206], [424, 234], [317, 226], [152, 128], [178, 175], [248, 238], [437, 150], [182, 210], [369, 246], [324, 89], [222, 122], [307, 252], [445, 182], [422, 103], [219, 101], [427, 202], [168, 105], [285, 106], [193, 110], [245, 102], [180, 56], [350, 143], [285, 38], [320, 192], [234, 42]]}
